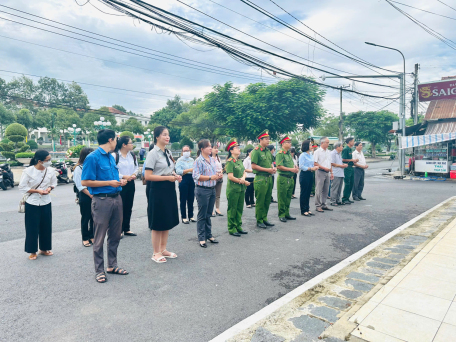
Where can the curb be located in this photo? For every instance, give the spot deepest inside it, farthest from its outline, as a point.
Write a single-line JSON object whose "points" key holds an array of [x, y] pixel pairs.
{"points": [[271, 308]]}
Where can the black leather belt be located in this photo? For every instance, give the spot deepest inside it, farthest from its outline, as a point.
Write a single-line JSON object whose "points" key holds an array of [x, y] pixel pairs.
{"points": [[205, 187], [107, 195], [323, 170], [286, 176]]}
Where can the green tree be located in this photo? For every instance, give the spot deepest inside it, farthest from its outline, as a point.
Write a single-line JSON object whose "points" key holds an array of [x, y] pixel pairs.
{"points": [[167, 114], [127, 133], [186, 141], [16, 134], [24, 118], [119, 107], [33, 145], [283, 107], [6, 118], [247, 147], [371, 126], [132, 125], [328, 126], [196, 124]]}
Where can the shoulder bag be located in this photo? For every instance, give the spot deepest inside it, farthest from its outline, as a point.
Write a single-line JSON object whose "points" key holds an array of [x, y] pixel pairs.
{"points": [[26, 196]]}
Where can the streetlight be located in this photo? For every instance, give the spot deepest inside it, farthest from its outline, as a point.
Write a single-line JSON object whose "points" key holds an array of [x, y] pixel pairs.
{"points": [[75, 132], [102, 123], [402, 105]]}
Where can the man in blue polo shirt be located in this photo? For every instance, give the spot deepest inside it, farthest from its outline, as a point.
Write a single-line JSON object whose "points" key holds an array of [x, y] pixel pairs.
{"points": [[101, 176]]}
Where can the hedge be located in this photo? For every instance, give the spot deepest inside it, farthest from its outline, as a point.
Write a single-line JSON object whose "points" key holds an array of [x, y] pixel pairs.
{"points": [[131, 135], [25, 155]]}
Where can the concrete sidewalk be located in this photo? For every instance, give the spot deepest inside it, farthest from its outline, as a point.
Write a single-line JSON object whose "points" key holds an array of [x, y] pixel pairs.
{"points": [[418, 303], [399, 288]]}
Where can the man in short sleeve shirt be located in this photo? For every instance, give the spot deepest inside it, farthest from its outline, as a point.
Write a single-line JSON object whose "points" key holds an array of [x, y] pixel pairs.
{"points": [[263, 169], [347, 158], [101, 177]]}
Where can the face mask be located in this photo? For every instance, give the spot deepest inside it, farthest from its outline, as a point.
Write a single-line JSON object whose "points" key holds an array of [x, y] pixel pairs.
{"points": [[47, 164], [186, 154]]}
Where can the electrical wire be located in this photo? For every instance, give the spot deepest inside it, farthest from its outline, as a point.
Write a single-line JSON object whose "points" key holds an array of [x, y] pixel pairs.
{"points": [[447, 5], [419, 9], [197, 31]]}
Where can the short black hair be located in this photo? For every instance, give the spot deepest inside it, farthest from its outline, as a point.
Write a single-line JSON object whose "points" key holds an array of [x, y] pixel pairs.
{"points": [[357, 143], [249, 150], [271, 147], [349, 139], [305, 146], [292, 150], [104, 135]]}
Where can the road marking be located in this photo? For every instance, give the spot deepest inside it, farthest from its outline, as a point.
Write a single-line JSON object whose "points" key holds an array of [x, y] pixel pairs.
{"points": [[266, 311]]}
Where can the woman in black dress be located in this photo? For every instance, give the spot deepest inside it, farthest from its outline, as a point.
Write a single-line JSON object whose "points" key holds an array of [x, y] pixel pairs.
{"points": [[162, 208]]}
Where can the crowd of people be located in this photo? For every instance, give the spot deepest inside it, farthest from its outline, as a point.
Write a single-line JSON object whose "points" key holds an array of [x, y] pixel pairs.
{"points": [[104, 180]]}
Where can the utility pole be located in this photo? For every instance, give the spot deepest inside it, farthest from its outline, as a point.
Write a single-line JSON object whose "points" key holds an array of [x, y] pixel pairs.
{"points": [[341, 120], [415, 95]]}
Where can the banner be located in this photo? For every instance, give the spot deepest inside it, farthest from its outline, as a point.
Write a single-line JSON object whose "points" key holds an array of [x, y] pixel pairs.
{"points": [[437, 90], [420, 140]]}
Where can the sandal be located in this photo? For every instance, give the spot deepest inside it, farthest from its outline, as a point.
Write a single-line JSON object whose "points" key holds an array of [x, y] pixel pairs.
{"points": [[46, 253], [101, 277], [311, 214], [306, 214], [86, 244], [171, 256], [32, 256], [118, 270], [160, 260]]}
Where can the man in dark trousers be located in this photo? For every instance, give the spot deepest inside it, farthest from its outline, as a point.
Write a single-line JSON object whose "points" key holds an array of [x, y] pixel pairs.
{"points": [[347, 158], [101, 176]]}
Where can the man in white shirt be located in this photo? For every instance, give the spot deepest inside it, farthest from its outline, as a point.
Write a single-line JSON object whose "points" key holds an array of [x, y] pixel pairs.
{"points": [[360, 166], [338, 170], [322, 159]]}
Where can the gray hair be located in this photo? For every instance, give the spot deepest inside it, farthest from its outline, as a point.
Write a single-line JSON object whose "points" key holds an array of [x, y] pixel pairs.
{"points": [[337, 144], [322, 139]]}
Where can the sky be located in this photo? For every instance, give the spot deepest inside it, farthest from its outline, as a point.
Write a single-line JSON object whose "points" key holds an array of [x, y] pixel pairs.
{"points": [[149, 72]]}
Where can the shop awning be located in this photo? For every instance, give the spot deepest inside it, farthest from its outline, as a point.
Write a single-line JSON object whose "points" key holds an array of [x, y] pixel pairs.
{"points": [[420, 140], [440, 127]]}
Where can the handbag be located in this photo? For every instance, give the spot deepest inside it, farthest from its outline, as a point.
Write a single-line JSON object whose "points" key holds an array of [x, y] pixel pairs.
{"points": [[27, 195]]}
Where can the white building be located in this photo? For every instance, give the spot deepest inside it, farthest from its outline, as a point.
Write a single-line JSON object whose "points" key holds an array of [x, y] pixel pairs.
{"points": [[122, 117]]}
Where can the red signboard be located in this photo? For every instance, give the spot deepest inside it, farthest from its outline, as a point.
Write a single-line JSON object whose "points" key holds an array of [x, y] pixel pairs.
{"points": [[437, 90]]}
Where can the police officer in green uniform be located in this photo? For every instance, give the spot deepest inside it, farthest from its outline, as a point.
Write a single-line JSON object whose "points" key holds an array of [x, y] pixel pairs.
{"points": [[349, 175], [285, 182], [235, 189], [263, 169]]}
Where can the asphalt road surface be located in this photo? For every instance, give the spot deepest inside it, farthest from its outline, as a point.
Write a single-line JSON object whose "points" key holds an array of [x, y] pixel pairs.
{"points": [[202, 292]]}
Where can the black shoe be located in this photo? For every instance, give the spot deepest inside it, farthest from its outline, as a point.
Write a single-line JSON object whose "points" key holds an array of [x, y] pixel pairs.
{"points": [[234, 234], [346, 203], [340, 203], [282, 219], [203, 245], [272, 201], [242, 232], [213, 241], [185, 222], [351, 201], [290, 218], [356, 199], [130, 234], [326, 208], [361, 198], [269, 224], [217, 214], [261, 225]]}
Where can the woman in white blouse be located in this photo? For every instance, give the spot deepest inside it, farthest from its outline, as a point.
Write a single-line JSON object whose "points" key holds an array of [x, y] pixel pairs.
{"points": [[37, 181], [128, 168], [218, 185], [250, 176]]}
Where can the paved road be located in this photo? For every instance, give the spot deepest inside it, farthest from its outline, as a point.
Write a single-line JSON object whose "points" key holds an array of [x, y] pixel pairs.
{"points": [[204, 291]]}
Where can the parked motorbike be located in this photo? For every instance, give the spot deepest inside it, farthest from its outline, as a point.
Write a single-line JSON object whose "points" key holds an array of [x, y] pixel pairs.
{"points": [[6, 176], [62, 172]]}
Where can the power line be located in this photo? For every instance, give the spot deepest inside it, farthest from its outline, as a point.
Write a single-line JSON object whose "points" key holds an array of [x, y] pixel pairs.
{"points": [[136, 54], [196, 31], [291, 27], [446, 5], [419, 9], [114, 39]]}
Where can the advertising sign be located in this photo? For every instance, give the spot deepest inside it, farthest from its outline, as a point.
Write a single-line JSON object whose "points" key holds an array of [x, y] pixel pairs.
{"points": [[437, 90], [435, 166]]}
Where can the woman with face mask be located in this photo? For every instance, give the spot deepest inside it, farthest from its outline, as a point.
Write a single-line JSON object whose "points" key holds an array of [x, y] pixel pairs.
{"points": [[184, 168], [37, 181]]}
